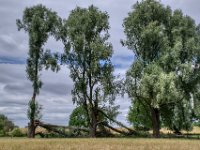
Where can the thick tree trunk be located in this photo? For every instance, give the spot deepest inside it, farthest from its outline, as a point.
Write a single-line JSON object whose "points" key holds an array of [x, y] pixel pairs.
{"points": [[31, 129], [93, 127], [93, 131], [155, 122]]}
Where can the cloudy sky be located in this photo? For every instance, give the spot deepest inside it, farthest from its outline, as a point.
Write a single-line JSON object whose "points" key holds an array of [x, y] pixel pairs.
{"points": [[55, 97]]}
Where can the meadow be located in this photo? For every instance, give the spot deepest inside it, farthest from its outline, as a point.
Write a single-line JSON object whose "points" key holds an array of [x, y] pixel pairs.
{"points": [[98, 144]]}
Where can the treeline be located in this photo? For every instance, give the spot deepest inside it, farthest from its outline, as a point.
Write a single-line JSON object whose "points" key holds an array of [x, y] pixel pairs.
{"points": [[8, 128], [162, 82]]}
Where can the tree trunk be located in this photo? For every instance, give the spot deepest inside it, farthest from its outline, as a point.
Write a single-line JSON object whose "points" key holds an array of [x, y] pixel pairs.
{"points": [[31, 125], [155, 122], [93, 127], [93, 131], [31, 129]]}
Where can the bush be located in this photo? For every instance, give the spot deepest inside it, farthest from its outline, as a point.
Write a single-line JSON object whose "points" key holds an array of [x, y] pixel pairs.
{"points": [[139, 117], [78, 117], [16, 132], [6, 125]]}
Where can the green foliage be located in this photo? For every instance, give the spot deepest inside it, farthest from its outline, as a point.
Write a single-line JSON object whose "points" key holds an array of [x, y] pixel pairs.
{"points": [[39, 22], [196, 106], [177, 117], [6, 125], [88, 52], [139, 116], [144, 30], [182, 117], [78, 117], [34, 111], [16, 132], [166, 46]]}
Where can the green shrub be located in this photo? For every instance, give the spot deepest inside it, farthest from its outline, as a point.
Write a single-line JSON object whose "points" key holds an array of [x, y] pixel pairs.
{"points": [[16, 132], [6, 125]]}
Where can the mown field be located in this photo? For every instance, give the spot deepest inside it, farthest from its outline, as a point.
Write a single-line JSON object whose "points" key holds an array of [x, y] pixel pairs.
{"points": [[98, 144]]}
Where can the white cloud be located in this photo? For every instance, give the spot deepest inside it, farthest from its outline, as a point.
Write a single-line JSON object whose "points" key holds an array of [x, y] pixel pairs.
{"points": [[16, 91]]}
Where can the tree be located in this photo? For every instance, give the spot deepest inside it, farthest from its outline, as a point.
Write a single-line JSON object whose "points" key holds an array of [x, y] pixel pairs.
{"points": [[177, 116], [165, 45], [37, 111], [154, 90], [16, 132], [87, 52], [139, 116], [78, 117], [39, 22], [196, 106], [6, 125]]}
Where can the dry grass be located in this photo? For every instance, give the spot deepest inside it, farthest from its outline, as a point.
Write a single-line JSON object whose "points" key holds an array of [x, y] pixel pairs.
{"points": [[38, 129], [99, 144], [196, 130]]}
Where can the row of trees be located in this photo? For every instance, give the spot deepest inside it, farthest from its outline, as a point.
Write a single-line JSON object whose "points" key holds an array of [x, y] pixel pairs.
{"points": [[162, 81]]}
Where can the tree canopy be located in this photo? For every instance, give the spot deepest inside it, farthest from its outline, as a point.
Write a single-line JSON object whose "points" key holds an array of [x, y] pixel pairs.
{"points": [[88, 53], [165, 44], [6, 125], [39, 22]]}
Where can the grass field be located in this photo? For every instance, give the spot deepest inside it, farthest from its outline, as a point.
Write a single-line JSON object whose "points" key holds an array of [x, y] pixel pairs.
{"points": [[98, 144]]}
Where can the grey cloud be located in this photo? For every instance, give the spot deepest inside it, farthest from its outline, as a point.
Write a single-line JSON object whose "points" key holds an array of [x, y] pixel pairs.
{"points": [[11, 46], [16, 114], [189, 7], [54, 46], [12, 111], [52, 88], [12, 42], [59, 109], [12, 101], [7, 42], [18, 89], [12, 73], [57, 83]]}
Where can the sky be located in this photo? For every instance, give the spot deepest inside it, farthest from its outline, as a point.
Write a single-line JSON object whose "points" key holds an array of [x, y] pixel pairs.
{"points": [[55, 96]]}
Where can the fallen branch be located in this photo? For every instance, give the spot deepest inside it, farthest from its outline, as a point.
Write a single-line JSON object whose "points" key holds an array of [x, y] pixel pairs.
{"points": [[116, 130], [52, 127], [131, 131]]}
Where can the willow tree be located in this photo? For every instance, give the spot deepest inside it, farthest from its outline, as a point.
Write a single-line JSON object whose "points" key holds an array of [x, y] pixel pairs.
{"points": [[39, 22], [88, 53], [166, 47]]}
